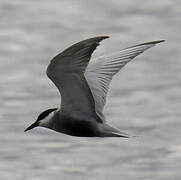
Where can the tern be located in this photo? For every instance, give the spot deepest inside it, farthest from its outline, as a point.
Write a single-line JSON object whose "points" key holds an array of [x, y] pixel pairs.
{"points": [[83, 86]]}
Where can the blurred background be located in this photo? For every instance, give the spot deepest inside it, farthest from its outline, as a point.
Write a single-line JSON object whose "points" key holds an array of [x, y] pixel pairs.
{"points": [[144, 100]]}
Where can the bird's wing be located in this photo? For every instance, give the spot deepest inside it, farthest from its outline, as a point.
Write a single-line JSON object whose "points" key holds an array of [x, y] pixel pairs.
{"points": [[100, 71], [66, 70]]}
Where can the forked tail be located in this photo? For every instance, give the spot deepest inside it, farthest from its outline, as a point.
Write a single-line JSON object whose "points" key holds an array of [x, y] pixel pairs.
{"points": [[110, 131]]}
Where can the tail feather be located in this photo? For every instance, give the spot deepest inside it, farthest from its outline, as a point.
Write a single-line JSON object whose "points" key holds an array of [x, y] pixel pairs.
{"points": [[114, 132], [120, 135]]}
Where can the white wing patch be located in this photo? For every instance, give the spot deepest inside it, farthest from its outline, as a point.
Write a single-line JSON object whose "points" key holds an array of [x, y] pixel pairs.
{"points": [[100, 71]]}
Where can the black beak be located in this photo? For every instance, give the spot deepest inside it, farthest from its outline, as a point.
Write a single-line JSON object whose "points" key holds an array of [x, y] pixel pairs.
{"points": [[35, 124]]}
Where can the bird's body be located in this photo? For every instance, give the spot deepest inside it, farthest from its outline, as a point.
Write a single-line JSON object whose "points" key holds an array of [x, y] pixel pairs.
{"points": [[82, 126], [74, 125], [83, 89]]}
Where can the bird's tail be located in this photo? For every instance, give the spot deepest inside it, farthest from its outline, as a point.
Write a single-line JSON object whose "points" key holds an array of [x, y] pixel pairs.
{"points": [[114, 132]]}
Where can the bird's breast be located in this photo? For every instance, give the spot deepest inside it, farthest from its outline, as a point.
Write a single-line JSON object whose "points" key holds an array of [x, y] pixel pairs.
{"points": [[77, 127]]}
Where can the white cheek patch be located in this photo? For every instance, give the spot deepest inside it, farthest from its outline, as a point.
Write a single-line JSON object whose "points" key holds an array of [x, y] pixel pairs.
{"points": [[46, 122]]}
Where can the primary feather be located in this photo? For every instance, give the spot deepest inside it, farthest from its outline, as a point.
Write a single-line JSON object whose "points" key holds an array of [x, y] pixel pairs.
{"points": [[100, 72]]}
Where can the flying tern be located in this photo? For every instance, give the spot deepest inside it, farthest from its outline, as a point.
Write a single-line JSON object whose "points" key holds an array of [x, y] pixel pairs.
{"points": [[83, 86]]}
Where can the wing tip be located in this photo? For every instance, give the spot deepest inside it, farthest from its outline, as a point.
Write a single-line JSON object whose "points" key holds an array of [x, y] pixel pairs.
{"points": [[160, 41], [149, 44], [100, 38], [152, 42], [105, 37]]}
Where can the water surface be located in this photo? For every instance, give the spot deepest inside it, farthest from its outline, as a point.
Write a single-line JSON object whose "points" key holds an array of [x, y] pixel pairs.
{"points": [[144, 100]]}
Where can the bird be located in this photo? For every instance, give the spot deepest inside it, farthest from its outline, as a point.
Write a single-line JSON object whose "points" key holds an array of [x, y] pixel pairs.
{"points": [[83, 87]]}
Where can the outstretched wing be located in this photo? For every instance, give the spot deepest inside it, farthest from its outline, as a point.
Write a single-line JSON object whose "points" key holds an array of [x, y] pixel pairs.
{"points": [[100, 72], [66, 70]]}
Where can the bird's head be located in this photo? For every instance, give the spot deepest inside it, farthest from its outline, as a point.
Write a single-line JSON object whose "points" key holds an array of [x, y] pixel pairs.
{"points": [[43, 120]]}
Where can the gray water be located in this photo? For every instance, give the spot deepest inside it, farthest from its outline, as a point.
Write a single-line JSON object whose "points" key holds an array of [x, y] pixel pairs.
{"points": [[144, 100]]}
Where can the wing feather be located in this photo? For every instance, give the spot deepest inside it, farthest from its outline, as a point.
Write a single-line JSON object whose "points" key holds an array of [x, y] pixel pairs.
{"points": [[66, 70], [100, 71]]}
